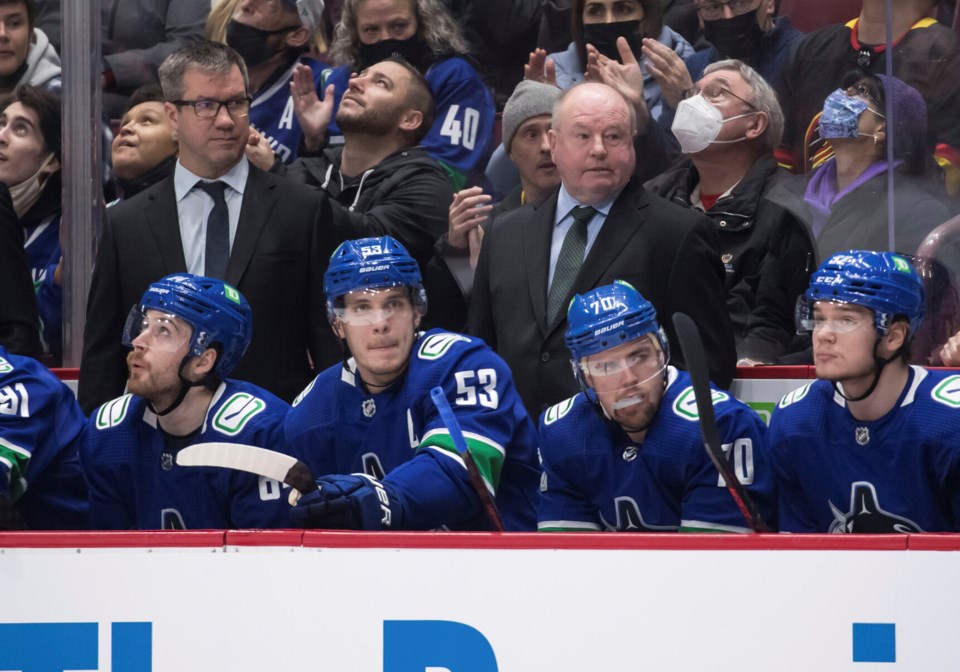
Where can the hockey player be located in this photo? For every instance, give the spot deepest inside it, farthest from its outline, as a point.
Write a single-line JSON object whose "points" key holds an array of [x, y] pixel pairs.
{"points": [[626, 453], [871, 446], [374, 414], [41, 485], [187, 334]]}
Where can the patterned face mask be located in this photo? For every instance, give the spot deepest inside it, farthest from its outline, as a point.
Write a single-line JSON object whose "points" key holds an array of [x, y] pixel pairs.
{"points": [[841, 115]]}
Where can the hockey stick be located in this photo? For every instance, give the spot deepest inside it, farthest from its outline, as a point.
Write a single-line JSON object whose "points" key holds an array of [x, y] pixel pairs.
{"points": [[696, 359], [252, 459], [476, 480]]}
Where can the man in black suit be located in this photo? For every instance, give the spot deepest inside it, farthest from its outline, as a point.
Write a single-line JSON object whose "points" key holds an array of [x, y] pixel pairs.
{"points": [[530, 268], [220, 216]]}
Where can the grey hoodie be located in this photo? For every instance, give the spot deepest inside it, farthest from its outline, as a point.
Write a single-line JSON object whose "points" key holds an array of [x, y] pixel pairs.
{"points": [[43, 63]]}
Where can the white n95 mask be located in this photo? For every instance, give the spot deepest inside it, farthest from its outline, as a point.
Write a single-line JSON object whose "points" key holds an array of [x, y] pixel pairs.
{"points": [[697, 124]]}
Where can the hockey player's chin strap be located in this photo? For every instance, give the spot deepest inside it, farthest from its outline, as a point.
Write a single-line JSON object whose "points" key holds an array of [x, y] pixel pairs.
{"points": [[880, 363], [185, 386]]}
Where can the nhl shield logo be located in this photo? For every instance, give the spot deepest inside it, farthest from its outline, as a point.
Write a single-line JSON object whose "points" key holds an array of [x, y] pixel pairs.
{"points": [[166, 461], [862, 435], [369, 407], [629, 453]]}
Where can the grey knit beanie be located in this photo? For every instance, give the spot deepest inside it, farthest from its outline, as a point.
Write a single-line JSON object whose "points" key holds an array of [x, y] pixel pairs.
{"points": [[529, 99], [310, 11]]}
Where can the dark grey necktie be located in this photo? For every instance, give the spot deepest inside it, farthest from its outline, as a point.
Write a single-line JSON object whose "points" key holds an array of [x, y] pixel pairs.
{"points": [[218, 231], [569, 261]]}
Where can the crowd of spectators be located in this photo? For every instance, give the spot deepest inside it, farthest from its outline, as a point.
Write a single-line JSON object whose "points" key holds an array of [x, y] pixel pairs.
{"points": [[707, 152]]}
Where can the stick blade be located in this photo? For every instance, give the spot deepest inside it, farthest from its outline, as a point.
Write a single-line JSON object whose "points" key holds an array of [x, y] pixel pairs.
{"points": [[251, 459]]}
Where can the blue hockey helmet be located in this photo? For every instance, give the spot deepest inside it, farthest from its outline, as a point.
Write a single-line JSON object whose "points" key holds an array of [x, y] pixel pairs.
{"points": [[371, 264], [608, 316], [884, 282], [217, 312]]}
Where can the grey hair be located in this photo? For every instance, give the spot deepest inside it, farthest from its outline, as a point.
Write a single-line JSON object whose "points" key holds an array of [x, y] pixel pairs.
{"points": [[764, 98], [435, 25], [211, 57], [558, 105]]}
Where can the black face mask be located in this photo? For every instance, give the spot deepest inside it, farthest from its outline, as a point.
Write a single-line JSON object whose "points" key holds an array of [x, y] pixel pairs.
{"points": [[738, 37], [413, 50], [251, 43], [603, 36]]}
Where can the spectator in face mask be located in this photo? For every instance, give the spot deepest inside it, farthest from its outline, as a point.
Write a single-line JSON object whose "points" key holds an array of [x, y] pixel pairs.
{"points": [[844, 201], [746, 30], [427, 36], [599, 23], [30, 167], [273, 37], [728, 128]]}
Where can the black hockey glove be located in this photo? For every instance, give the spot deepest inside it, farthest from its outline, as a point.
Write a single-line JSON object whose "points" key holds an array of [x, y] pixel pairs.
{"points": [[348, 502]]}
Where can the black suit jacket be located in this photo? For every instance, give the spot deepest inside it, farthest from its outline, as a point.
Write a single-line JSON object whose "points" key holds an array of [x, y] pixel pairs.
{"points": [[19, 321], [276, 263], [667, 252]]}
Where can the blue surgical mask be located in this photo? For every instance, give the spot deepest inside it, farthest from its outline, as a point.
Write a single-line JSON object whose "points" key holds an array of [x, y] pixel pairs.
{"points": [[841, 116]]}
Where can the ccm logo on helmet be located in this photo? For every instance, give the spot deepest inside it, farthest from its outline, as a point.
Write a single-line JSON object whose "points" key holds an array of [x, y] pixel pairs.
{"points": [[609, 327]]}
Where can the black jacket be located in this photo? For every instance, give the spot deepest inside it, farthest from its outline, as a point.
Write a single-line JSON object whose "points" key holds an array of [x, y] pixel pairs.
{"points": [[668, 253], [766, 251], [19, 322], [407, 196]]}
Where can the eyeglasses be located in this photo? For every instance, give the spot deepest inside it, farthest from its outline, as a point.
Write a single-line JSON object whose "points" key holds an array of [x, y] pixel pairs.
{"points": [[711, 11], [208, 109], [715, 92], [864, 92]]}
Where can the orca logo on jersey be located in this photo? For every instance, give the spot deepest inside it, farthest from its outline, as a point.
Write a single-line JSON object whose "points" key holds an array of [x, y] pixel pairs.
{"points": [[867, 516]]}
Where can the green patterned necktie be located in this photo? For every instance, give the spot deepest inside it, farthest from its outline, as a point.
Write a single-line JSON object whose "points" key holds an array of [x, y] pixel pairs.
{"points": [[568, 263]]}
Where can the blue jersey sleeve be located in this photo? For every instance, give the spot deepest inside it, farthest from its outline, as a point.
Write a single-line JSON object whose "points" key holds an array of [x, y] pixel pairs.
{"points": [[563, 506], [310, 426], [110, 480], [435, 487], [40, 429], [706, 503]]}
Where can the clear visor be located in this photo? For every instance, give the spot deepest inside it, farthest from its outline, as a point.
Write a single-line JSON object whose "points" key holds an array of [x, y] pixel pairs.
{"points": [[155, 329], [374, 306], [841, 320], [625, 367]]}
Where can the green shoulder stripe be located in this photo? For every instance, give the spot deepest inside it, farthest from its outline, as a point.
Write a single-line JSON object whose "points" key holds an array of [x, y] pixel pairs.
{"points": [[15, 459], [488, 455]]}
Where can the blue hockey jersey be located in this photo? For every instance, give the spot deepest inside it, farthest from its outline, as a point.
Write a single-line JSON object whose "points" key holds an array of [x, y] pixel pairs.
{"points": [[40, 429], [271, 112], [460, 137], [397, 435], [596, 478], [900, 473], [42, 246], [135, 482]]}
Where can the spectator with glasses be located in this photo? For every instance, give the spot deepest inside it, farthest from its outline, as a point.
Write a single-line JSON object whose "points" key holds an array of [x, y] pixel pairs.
{"points": [[728, 128], [216, 215], [844, 201], [746, 30]]}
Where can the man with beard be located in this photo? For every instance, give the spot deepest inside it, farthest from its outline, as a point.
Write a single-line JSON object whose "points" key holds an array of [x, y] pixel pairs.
{"points": [[273, 37], [379, 182], [219, 216], [871, 446], [626, 452], [187, 334]]}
